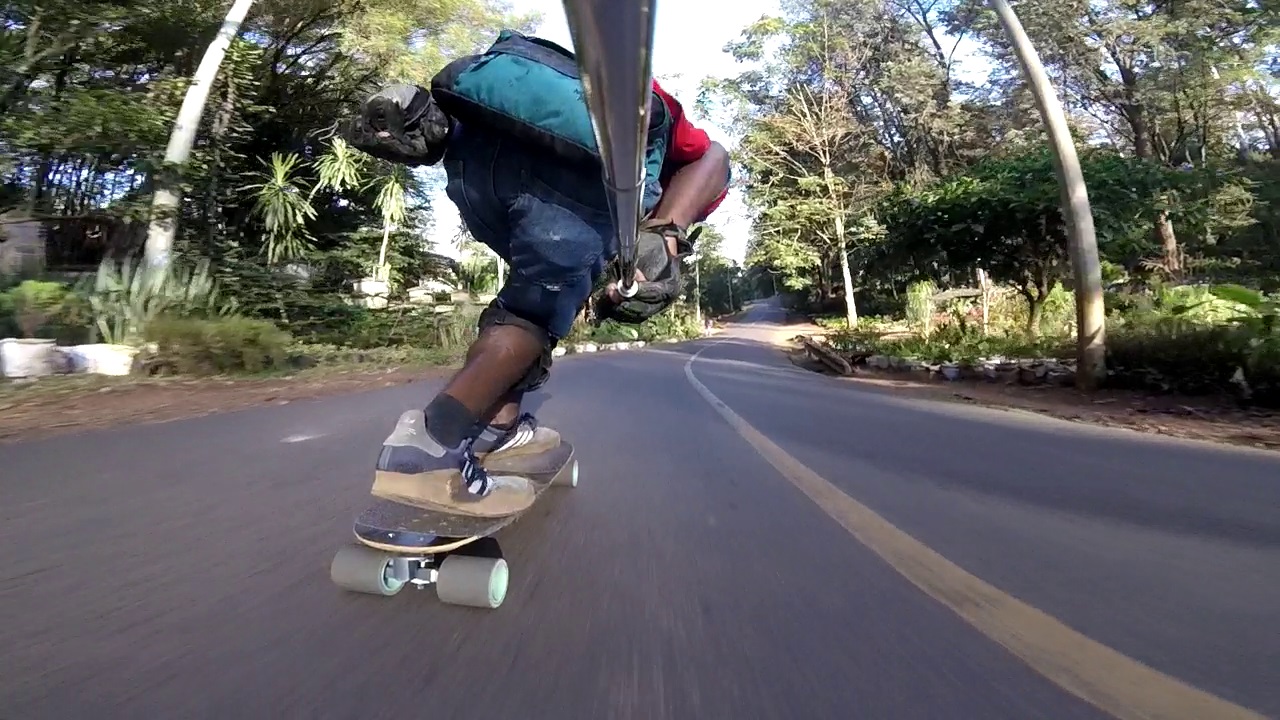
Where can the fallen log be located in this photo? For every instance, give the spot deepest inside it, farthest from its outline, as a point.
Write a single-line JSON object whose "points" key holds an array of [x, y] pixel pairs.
{"points": [[826, 356]]}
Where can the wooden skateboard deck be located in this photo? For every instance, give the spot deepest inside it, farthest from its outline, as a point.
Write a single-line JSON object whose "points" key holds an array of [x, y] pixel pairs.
{"points": [[399, 545], [393, 527]]}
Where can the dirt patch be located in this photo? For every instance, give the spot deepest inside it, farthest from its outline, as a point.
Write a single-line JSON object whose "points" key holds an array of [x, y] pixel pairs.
{"points": [[62, 405], [1214, 419]]}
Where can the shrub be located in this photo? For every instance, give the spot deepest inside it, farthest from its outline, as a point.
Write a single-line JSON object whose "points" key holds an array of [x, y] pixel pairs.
{"points": [[952, 343], [219, 346], [311, 355], [330, 320], [8, 323], [679, 323], [1173, 357], [920, 306], [33, 304], [127, 298]]}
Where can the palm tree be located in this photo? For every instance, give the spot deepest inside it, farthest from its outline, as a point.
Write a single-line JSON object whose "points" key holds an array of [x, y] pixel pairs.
{"points": [[284, 209], [391, 203], [341, 168]]}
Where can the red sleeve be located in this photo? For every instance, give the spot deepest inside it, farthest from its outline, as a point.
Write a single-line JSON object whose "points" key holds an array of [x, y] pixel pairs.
{"points": [[688, 144]]}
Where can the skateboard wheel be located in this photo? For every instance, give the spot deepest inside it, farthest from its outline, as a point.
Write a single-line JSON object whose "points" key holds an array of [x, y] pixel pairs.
{"points": [[568, 479], [472, 581], [364, 570]]}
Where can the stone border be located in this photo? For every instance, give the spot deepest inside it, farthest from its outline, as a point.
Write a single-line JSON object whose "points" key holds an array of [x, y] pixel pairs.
{"points": [[590, 347], [1023, 371]]}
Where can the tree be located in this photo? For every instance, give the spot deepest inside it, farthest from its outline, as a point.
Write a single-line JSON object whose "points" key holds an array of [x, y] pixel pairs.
{"points": [[804, 148], [821, 143], [164, 204], [1146, 76], [714, 281], [1005, 215], [1091, 349]]}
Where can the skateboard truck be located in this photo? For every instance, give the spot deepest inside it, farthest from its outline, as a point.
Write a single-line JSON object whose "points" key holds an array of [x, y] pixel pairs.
{"points": [[399, 545], [460, 578], [613, 41], [419, 571]]}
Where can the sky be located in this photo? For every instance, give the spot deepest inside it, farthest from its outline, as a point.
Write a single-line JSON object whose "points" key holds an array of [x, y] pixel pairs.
{"points": [[689, 45]]}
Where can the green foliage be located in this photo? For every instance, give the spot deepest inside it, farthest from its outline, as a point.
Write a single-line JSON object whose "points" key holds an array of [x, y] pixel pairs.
{"points": [[717, 283], [478, 274], [1187, 339], [283, 209], [1004, 215], [1223, 338], [126, 298], [335, 321], [678, 323], [956, 342], [217, 346], [321, 355], [920, 306], [31, 304]]}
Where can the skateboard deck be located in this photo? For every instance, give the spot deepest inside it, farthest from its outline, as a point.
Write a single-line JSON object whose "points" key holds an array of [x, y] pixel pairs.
{"points": [[401, 544], [395, 527]]}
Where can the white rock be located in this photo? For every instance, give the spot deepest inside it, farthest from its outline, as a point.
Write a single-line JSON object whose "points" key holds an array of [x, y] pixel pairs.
{"points": [[23, 358]]}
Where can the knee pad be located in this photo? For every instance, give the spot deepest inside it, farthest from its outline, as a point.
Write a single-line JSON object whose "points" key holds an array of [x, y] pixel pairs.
{"points": [[538, 373]]}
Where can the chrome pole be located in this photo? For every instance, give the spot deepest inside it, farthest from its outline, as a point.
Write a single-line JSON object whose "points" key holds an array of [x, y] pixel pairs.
{"points": [[613, 41]]}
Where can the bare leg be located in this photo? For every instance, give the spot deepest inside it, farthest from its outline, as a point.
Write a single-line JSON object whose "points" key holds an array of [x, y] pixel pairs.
{"points": [[506, 411], [426, 460], [496, 361], [510, 435]]}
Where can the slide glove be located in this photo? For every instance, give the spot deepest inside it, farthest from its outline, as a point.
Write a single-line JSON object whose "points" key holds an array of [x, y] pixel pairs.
{"points": [[402, 124], [661, 270]]}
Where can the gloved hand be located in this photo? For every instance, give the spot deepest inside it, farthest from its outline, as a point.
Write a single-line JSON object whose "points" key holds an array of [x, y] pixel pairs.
{"points": [[402, 124], [659, 268]]}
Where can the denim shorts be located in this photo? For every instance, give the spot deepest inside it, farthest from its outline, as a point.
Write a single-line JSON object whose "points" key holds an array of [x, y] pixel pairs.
{"points": [[547, 219]]}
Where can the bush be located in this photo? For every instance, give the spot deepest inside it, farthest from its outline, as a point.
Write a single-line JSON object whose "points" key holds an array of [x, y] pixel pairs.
{"points": [[679, 323], [220, 346], [126, 298], [1184, 358], [330, 320], [1200, 340], [312, 355], [952, 343], [59, 312], [32, 305], [867, 324]]}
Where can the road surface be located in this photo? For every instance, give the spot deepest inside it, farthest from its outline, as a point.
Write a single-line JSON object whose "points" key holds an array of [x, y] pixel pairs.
{"points": [[730, 553]]}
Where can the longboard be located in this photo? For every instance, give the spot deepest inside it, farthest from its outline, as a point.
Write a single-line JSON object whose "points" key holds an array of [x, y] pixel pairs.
{"points": [[398, 544]]}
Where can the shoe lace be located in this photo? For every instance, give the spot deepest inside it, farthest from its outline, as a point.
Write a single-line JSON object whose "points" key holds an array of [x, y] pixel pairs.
{"points": [[521, 432], [473, 473]]}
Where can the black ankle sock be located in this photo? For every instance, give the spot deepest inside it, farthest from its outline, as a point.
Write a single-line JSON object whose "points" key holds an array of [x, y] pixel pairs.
{"points": [[449, 421]]}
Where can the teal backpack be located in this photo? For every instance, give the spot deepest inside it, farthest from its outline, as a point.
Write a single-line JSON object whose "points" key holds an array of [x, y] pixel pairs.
{"points": [[530, 88]]}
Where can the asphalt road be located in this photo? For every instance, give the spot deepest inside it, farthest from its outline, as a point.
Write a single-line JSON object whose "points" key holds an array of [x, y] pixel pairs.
{"points": [[180, 570]]}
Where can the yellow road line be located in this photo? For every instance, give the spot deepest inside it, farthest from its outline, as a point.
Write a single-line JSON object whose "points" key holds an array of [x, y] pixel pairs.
{"points": [[1113, 682]]}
